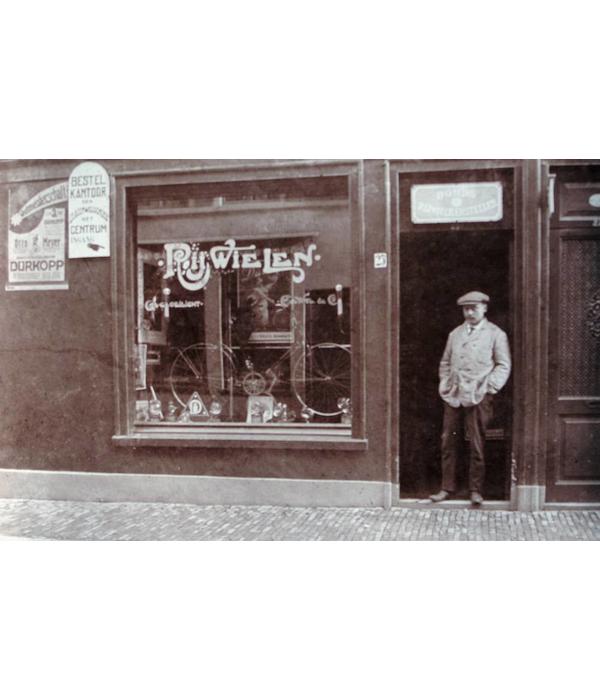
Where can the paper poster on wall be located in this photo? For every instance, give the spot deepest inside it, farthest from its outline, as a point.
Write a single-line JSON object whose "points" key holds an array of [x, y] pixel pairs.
{"points": [[89, 212], [36, 238]]}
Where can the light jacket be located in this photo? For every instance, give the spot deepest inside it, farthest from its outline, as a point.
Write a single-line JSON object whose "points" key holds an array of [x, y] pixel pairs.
{"points": [[475, 364]]}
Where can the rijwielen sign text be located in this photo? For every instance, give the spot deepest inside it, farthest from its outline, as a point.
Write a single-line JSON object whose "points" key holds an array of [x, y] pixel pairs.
{"points": [[192, 266]]}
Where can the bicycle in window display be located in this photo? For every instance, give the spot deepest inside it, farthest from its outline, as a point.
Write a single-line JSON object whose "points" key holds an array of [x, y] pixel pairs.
{"points": [[317, 377]]}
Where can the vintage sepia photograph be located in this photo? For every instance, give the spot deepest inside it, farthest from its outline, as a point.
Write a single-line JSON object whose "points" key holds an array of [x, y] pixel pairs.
{"points": [[404, 338]]}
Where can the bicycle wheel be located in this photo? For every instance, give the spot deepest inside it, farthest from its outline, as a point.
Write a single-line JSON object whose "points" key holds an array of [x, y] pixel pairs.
{"points": [[206, 368], [322, 376]]}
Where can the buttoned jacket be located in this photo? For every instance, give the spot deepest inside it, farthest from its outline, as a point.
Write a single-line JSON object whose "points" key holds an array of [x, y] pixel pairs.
{"points": [[474, 364]]}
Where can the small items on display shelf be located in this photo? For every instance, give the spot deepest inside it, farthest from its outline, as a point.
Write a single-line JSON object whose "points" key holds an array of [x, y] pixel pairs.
{"points": [[195, 410]]}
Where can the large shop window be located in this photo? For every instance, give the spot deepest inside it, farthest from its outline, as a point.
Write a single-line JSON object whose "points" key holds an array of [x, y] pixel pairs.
{"points": [[243, 309]]}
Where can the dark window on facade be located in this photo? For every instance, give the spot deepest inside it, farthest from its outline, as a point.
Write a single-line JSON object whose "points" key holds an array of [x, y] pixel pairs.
{"points": [[243, 307]]}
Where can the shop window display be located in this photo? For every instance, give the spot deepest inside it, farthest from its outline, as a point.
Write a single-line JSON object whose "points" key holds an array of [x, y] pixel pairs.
{"points": [[252, 330]]}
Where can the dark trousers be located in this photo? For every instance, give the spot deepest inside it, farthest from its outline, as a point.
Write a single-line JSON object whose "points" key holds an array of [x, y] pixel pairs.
{"points": [[476, 419]]}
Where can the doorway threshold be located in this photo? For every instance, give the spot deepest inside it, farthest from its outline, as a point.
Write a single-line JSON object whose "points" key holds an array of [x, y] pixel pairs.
{"points": [[450, 504]]}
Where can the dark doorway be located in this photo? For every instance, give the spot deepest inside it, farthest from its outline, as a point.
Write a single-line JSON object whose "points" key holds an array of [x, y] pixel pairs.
{"points": [[435, 269]]}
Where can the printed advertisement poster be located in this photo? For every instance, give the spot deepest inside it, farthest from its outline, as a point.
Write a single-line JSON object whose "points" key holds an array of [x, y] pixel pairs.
{"points": [[89, 207], [260, 295], [36, 238]]}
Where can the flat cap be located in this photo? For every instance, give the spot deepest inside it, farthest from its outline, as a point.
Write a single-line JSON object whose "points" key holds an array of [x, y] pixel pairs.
{"points": [[473, 298]]}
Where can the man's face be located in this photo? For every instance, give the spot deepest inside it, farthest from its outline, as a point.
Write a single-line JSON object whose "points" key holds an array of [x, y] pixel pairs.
{"points": [[473, 313]]}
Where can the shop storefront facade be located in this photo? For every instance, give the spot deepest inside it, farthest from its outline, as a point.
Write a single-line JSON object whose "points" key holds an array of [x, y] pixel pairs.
{"points": [[270, 331]]}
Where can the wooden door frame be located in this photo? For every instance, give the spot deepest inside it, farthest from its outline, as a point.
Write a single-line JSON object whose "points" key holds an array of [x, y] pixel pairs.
{"points": [[529, 287]]}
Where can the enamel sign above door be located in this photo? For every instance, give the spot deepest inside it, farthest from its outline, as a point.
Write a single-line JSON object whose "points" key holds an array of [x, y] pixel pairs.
{"points": [[455, 203]]}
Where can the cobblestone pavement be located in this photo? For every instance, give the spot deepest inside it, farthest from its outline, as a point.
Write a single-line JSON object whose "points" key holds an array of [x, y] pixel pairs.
{"points": [[62, 520]]}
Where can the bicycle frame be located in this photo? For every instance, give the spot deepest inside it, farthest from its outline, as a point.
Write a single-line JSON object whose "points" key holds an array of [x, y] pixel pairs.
{"points": [[319, 374]]}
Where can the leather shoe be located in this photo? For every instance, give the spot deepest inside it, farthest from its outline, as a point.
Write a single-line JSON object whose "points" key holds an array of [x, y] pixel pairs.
{"points": [[439, 497], [476, 498]]}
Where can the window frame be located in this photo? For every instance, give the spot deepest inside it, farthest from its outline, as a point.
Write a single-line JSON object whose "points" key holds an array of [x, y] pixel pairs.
{"points": [[124, 273]]}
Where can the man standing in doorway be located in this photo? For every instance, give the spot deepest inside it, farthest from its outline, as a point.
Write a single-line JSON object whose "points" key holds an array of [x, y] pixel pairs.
{"points": [[475, 366]]}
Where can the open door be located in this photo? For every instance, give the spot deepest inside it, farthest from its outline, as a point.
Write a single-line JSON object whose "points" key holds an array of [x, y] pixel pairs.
{"points": [[438, 264]]}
